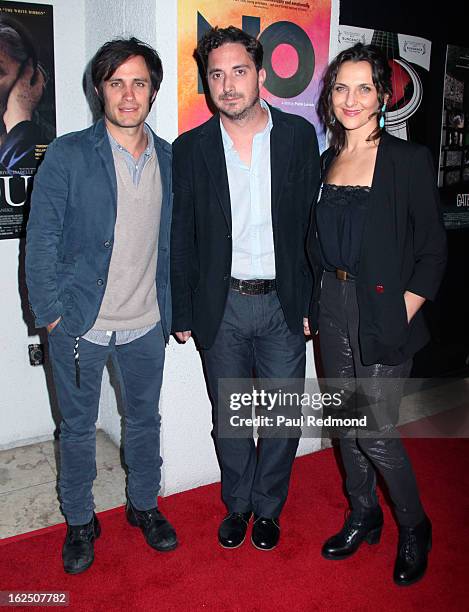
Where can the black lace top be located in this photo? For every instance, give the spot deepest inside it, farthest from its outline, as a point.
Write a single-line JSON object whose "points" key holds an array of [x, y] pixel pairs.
{"points": [[340, 218]]}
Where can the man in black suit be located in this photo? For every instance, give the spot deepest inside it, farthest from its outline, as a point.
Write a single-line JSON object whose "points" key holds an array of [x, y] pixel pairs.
{"points": [[243, 187]]}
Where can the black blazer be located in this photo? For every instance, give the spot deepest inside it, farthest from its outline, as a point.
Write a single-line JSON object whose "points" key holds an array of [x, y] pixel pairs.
{"points": [[201, 244], [403, 248]]}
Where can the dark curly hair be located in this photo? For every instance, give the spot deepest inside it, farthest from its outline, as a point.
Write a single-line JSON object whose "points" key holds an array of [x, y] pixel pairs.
{"points": [[114, 53], [381, 74], [216, 37]]}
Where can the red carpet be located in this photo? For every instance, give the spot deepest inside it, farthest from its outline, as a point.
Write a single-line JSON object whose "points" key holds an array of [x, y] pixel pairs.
{"points": [[200, 575]]}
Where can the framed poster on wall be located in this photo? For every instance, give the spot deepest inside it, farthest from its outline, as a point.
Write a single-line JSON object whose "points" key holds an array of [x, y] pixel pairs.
{"points": [[27, 106], [453, 178], [295, 37], [409, 59]]}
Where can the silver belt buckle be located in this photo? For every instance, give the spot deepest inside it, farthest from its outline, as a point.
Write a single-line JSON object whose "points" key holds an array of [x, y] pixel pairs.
{"points": [[241, 287]]}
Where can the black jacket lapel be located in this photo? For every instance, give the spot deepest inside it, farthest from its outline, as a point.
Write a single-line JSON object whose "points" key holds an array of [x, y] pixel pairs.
{"points": [[211, 144], [281, 147]]}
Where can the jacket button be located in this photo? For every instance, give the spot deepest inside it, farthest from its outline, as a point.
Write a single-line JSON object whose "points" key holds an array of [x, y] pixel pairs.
{"points": [[100, 282], [107, 244], [228, 236], [226, 277]]}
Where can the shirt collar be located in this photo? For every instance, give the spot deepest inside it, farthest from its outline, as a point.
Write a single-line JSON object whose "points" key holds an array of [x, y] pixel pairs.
{"points": [[228, 143], [115, 146]]}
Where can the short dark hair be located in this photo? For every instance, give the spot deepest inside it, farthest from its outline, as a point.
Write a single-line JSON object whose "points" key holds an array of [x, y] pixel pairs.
{"points": [[115, 52], [381, 74], [16, 41], [216, 37]]}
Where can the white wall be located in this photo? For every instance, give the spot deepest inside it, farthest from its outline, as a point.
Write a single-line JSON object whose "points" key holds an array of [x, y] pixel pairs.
{"points": [[80, 27], [25, 411], [187, 448]]}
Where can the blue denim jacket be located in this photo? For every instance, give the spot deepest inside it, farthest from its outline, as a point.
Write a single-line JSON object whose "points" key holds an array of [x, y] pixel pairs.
{"points": [[70, 231]]}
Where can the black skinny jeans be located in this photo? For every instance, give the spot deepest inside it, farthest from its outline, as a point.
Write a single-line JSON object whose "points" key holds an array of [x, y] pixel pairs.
{"points": [[363, 455]]}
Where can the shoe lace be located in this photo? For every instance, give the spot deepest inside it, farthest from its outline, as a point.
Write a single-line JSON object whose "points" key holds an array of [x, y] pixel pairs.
{"points": [[150, 516], [350, 518], [80, 533], [409, 548], [239, 515]]}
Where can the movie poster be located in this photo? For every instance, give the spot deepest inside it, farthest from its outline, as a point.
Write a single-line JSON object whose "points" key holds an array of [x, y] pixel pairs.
{"points": [[409, 58], [27, 106], [454, 150], [295, 37]]}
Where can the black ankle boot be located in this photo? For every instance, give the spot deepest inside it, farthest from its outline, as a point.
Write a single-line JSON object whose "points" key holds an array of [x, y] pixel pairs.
{"points": [[357, 528], [412, 552], [78, 548], [157, 530]]}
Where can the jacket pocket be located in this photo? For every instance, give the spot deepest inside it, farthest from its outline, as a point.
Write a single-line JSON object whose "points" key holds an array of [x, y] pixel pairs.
{"points": [[387, 315], [56, 328]]}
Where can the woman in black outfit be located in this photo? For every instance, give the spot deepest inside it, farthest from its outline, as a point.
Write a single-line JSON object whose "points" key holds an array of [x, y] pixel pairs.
{"points": [[378, 250]]}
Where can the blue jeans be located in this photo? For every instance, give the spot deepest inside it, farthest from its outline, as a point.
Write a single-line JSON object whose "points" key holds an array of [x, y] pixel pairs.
{"points": [[254, 337], [139, 366]]}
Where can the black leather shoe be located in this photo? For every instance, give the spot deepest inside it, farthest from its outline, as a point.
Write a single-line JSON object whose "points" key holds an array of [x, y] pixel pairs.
{"points": [[158, 532], [357, 528], [412, 552], [78, 548], [232, 531], [265, 533]]}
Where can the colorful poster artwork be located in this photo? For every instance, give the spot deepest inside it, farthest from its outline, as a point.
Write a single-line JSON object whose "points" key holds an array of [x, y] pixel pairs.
{"points": [[453, 178], [295, 37], [409, 58], [27, 106]]}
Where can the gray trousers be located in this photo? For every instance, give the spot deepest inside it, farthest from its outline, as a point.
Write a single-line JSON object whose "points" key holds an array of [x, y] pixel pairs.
{"points": [[363, 456], [253, 338]]}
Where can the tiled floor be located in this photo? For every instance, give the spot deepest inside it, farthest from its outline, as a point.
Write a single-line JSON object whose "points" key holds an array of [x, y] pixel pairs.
{"points": [[28, 474], [28, 485]]}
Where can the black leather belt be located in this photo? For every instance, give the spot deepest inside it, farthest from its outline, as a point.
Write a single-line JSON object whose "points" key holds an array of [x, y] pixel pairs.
{"points": [[256, 286], [343, 275]]}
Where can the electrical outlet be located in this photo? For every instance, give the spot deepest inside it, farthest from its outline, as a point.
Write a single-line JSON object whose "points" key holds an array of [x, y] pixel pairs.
{"points": [[36, 354]]}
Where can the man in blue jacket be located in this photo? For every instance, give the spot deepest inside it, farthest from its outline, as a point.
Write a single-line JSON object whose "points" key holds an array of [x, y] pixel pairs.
{"points": [[97, 267]]}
